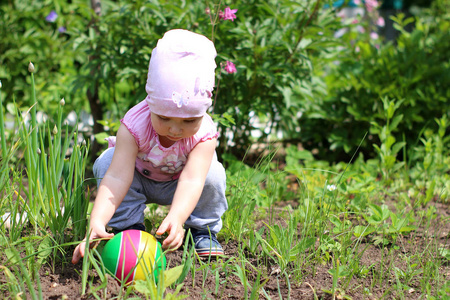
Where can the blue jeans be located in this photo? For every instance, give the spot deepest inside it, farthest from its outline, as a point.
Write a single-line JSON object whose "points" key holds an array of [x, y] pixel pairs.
{"points": [[207, 214]]}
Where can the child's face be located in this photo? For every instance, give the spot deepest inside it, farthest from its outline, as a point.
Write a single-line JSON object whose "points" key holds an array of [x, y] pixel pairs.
{"points": [[175, 128]]}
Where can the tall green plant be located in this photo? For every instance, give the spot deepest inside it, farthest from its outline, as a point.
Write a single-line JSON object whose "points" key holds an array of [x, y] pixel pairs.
{"points": [[13, 215], [4, 165], [430, 163], [2, 125], [243, 184], [55, 191], [389, 147], [284, 245]]}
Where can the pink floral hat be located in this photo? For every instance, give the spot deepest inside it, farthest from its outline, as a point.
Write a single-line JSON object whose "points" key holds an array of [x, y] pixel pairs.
{"points": [[181, 75]]}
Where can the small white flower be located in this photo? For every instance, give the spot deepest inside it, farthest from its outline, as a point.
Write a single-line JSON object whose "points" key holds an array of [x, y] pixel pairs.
{"points": [[62, 102], [331, 187]]}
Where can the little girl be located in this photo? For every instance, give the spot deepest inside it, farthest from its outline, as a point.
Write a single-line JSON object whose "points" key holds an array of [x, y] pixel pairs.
{"points": [[164, 152]]}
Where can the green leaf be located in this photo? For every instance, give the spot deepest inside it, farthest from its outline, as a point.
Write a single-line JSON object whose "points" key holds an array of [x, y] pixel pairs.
{"points": [[390, 140], [394, 122], [293, 153], [301, 247], [11, 255], [336, 221], [379, 213], [397, 147], [407, 228], [3, 241], [171, 275], [287, 94], [398, 166], [430, 191], [100, 137], [175, 295], [389, 161], [359, 230], [44, 249], [142, 287], [444, 252], [341, 271]]}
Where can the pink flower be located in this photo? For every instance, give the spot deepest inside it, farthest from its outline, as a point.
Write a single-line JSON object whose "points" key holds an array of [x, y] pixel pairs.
{"points": [[230, 68], [357, 2], [355, 21], [341, 14], [228, 14], [380, 22], [371, 5], [374, 35]]}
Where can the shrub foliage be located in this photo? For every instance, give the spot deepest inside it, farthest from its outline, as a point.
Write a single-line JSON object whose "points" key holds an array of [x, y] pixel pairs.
{"points": [[287, 85]]}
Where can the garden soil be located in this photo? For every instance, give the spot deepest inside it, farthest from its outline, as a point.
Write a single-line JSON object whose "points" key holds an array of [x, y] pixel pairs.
{"points": [[64, 281]]}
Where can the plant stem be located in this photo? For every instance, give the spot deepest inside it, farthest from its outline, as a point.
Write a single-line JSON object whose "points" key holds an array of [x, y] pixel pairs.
{"points": [[34, 131], [2, 126]]}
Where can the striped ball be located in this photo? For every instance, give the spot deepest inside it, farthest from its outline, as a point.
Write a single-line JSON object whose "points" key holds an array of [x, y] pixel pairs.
{"points": [[135, 253]]}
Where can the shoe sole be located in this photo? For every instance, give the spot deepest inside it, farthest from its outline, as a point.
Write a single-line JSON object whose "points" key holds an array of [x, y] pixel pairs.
{"points": [[208, 252]]}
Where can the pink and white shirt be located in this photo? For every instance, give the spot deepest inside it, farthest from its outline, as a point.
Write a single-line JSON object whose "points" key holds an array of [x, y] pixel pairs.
{"points": [[155, 161]]}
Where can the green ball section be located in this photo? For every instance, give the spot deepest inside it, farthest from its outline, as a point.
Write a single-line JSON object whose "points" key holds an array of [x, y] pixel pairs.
{"points": [[111, 252], [160, 262]]}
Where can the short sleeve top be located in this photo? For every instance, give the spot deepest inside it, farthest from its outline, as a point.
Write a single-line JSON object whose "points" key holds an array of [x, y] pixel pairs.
{"points": [[155, 161]]}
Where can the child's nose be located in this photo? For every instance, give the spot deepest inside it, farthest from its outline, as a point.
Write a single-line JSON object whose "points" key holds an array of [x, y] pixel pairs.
{"points": [[175, 130]]}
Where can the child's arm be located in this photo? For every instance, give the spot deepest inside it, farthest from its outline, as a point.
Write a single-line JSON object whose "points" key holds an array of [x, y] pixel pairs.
{"points": [[112, 189], [189, 188]]}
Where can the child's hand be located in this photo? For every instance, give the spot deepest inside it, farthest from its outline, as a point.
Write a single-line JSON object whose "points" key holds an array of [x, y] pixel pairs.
{"points": [[96, 233], [176, 233]]}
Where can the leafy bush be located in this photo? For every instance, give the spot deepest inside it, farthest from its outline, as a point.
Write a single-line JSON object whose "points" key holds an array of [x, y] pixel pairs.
{"points": [[30, 36], [104, 58], [271, 43], [285, 53], [415, 71]]}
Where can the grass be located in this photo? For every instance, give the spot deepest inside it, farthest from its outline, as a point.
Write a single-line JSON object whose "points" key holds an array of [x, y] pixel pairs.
{"points": [[360, 229]]}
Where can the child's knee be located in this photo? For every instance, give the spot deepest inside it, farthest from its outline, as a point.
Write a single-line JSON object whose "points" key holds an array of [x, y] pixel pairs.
{"points": [[102, 163]]}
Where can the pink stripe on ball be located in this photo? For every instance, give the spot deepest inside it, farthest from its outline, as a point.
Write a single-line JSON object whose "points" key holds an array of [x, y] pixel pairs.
{"points": [[129, 253]]}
